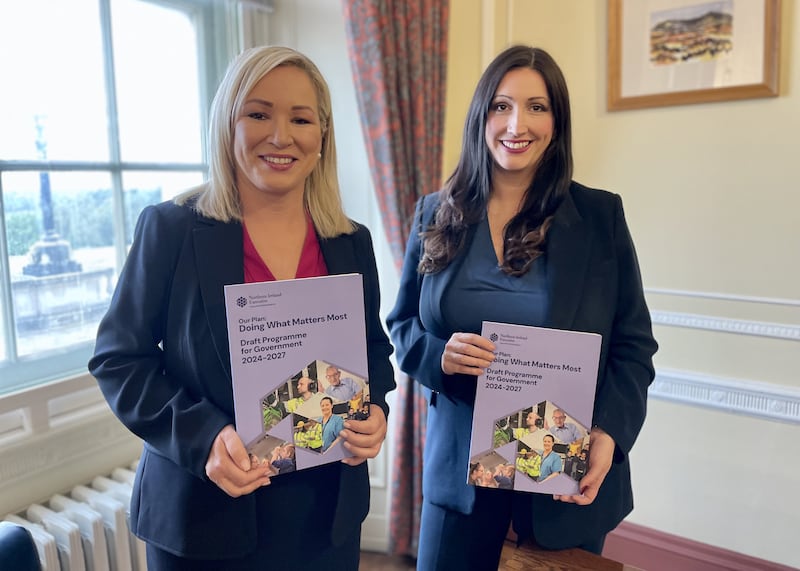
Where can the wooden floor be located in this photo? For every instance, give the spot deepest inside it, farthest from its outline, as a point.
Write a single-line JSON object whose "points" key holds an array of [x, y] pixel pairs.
{"points": [[380, 562], [515, 558]]}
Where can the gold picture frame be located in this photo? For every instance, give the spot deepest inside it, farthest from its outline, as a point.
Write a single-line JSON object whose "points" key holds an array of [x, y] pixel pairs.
{"points": [[677, 52]]}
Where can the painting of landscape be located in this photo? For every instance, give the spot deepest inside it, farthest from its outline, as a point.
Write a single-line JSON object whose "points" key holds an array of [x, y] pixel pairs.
{"points": [[697, 32]]}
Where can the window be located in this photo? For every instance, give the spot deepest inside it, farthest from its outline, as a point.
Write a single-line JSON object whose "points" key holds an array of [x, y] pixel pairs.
{"points": [[103, 111]]}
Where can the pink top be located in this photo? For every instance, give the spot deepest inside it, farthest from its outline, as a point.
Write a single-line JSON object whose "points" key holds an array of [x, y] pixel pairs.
{"points": [[311, 264]]}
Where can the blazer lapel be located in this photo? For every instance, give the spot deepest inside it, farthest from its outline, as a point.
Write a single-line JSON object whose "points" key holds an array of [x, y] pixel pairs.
{"points": [[220, 261], [567, 263], [339, 254]]}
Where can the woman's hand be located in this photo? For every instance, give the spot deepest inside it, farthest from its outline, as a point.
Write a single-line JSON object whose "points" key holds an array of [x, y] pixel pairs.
{"points": [[601, 453], [467, 353], [230, 467], [364, 437]]}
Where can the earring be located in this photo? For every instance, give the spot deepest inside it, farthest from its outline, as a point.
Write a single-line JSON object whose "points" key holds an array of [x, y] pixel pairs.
{"points": [[319, 155]]}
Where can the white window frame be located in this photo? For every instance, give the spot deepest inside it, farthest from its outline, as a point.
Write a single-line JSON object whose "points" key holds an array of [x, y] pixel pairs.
{"points": [[217, 40]]}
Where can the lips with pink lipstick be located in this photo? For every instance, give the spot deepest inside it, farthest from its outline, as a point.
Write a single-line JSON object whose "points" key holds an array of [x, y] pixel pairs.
{"points": [[516, 146], [279, 162]]}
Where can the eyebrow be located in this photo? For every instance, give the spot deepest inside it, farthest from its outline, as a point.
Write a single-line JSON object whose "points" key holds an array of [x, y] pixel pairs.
{"points": [[270, 104], [530, 99]]}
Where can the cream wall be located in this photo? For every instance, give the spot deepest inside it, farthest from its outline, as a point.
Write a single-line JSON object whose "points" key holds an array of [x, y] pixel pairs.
{"points": [[712, 196]]}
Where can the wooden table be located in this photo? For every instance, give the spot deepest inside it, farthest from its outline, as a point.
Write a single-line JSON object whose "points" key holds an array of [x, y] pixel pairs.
{"points": [[529, 557]]}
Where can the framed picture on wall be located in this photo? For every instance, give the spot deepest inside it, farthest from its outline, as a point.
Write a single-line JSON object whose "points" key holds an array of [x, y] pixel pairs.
{"points": [[675, 52]]}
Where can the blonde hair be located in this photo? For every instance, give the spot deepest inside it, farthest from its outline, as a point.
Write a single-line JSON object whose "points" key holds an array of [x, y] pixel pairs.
{"points": [[219, 198]]}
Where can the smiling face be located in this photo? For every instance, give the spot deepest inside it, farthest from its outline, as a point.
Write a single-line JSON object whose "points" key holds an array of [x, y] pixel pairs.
{"points": [[559, 418], [519, 125], [547, 443], [277, 135], [326, 406], [333, 376]]}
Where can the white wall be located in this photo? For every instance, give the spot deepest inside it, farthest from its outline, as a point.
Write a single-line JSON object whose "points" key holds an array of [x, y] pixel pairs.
{"points": [[711, 196]]}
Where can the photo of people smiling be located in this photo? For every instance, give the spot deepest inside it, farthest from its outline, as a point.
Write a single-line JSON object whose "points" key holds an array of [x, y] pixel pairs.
{"points": [[315, 402], [541, 441]]}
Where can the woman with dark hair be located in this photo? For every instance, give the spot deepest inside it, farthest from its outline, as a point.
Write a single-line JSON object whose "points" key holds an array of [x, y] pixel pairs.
{"points": [[475, 473], [551, 461], [332, 424], [512, 238]]}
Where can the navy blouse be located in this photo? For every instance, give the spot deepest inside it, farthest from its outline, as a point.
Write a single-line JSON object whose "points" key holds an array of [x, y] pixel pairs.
{"points": [[481, 291]]}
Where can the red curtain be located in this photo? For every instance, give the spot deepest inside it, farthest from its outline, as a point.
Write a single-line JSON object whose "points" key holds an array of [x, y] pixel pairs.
{"points": [[398, 50]]}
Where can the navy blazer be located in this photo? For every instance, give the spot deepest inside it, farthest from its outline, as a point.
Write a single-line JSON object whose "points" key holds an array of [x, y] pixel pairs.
{"points": [[162, 361], [593, 284]]}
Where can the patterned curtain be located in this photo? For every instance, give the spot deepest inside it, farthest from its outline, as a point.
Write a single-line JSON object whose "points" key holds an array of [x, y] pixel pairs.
{"points": [[398, 50]]}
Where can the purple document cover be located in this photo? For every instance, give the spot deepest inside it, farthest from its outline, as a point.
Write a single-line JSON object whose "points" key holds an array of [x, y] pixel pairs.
{"points": [[533, 409], [299, 364]]}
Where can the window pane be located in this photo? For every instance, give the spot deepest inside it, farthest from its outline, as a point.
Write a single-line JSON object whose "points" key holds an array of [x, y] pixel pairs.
{"points": [[61, 256], [66, 231], [51, 62], [143, 188], [158, 91]]}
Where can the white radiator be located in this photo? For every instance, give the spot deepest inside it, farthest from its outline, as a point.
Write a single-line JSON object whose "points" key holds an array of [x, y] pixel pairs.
{"points": [[86, 529]]}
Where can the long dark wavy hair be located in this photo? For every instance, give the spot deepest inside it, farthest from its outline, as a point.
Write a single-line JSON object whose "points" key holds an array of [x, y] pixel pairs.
{"points": [[465, 195]]}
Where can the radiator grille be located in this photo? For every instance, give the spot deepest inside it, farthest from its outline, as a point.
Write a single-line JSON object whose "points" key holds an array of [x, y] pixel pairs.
{"points": [[87, 528]]}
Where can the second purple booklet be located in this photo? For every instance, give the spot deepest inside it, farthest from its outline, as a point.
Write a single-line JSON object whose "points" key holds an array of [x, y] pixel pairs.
{"points": [[533, 409]]}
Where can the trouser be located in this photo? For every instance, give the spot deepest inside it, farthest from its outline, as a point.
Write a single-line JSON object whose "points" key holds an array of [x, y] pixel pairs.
{"points": [[294, 519], [332, 558]]}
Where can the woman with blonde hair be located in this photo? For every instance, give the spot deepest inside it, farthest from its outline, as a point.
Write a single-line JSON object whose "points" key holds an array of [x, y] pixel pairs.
{"points": [[270, 210]]}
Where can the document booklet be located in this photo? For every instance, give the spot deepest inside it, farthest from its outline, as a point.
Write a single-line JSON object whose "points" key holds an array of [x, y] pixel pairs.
{"points": [[533, 409], [299, 363]]}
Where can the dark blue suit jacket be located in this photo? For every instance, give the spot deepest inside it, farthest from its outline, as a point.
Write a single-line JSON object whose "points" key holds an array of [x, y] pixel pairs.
{"points": [[593, 285], [163, 363]]}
